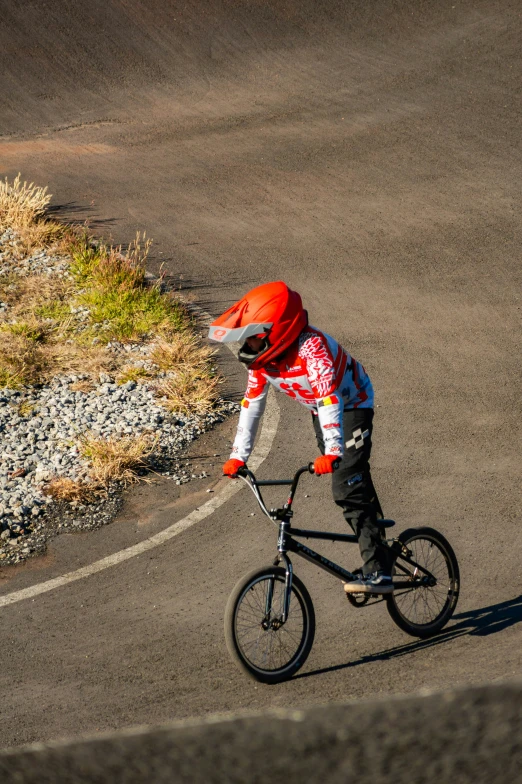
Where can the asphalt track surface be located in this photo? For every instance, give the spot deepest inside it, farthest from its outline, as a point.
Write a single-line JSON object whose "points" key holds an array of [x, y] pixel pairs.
{"points": [[369, 155]]}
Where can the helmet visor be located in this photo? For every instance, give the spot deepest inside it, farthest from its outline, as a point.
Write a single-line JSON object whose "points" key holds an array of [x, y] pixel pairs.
{"points": [[224, 335]]}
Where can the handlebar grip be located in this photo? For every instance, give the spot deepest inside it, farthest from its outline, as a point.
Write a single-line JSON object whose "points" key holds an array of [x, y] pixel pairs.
{"points": [[242, 471], [335, 465]]}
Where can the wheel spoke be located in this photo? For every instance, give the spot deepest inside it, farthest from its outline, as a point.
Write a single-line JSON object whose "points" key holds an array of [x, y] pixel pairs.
{"points": [[424, 605], [268, 649]]}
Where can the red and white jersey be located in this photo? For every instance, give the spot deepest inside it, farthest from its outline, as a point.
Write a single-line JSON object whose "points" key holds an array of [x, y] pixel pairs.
{"points": [[319, 374]]}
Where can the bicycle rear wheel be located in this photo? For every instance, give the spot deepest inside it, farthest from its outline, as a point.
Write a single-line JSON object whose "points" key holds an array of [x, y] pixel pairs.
{"points": [[424, 609], [261, 645]]}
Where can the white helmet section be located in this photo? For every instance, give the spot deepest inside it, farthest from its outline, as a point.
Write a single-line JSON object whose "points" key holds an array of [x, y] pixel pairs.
{"points": [[224, 335]]}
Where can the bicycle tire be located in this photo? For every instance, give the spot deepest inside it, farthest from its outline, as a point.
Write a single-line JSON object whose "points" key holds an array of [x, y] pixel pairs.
{"points": [[443, 597], [245, 614]]}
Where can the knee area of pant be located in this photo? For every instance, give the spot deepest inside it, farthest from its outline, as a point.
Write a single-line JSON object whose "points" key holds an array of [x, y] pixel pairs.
{"points": [[346, 486], [354, 480]]}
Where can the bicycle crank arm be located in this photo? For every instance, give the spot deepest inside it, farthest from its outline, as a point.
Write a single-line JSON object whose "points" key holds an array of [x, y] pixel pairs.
{"points": [[424, 583]]}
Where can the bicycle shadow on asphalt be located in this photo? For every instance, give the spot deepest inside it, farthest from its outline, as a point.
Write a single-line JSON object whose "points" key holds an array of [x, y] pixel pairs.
{"points": [[475, 623]]}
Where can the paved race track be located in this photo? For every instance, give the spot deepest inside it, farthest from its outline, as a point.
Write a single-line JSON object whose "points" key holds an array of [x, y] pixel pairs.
{"points": [[369, 154]]}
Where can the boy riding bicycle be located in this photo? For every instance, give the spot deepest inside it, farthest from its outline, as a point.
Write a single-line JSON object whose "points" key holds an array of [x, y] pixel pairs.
{"points": [[282, 349]]}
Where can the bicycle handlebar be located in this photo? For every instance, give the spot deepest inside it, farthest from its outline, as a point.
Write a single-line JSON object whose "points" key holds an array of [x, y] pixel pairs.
{"points": [[247, 476], [244, 471]]}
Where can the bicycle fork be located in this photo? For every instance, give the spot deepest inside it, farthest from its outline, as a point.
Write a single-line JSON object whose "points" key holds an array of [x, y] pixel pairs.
{"points": [[282, 556]]}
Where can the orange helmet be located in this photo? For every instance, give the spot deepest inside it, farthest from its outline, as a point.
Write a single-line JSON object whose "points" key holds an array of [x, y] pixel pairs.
{"points": [[271, 311]]}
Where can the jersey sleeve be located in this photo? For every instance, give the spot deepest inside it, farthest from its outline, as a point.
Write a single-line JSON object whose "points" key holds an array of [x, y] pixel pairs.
{"points": [[252, 409], [330, 413], [323, 372]]}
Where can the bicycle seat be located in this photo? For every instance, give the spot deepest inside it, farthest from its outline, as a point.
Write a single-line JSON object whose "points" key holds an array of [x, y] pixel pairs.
{"points": [[385, 523]]}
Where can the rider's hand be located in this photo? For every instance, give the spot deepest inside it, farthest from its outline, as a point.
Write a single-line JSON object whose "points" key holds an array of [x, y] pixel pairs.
{"points": [[324, 464], [232, 466]]}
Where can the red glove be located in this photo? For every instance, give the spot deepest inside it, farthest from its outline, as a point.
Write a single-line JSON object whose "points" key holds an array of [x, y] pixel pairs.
{"points": [[324, 464], [231, 467]]}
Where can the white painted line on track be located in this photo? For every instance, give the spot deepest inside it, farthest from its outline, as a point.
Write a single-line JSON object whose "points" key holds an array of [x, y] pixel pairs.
{"points": [[260, 453]]}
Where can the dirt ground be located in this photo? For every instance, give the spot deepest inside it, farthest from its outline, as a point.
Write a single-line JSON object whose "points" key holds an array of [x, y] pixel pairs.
{"points": [[368, 154]]}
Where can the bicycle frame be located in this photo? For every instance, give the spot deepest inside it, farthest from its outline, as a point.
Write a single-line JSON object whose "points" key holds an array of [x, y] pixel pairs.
{"points": [[286, 543]]}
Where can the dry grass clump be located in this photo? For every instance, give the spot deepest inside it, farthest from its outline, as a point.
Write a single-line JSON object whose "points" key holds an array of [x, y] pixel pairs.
{"points": [[112, 459], [61, 488], [22, 360], [191, 385], [132, 373], [25, 409], [190, 392], [23, 207], [117, 459], [183, 349], [85, 385], [71, 357], [24, 332], [21, 203]]}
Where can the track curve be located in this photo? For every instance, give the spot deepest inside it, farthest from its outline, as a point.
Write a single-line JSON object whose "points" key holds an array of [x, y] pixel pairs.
{"points": [[370, 155]]}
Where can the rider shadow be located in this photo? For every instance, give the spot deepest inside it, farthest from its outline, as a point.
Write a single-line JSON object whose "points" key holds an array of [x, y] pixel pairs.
{"points": [[73, 214], [475, 623]]}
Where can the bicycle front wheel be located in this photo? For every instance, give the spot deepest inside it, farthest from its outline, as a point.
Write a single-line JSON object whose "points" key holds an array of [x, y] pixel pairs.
{"points": [[258, 641], [422, 607]]}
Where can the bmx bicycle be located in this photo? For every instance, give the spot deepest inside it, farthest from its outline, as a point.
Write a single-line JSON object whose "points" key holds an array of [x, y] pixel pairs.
{"points": [[270, 619]]}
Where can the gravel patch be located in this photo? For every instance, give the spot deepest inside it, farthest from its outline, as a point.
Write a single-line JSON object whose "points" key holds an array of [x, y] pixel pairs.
{"points": [[12, 260], [39, 432], [41, 428]]}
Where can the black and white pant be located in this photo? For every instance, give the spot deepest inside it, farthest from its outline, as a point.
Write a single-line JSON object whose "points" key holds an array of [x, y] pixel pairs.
{"points": [[352, 485]]}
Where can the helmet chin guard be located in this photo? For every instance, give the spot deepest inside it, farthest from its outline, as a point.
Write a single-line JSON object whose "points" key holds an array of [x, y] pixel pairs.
{"points": [[247, 355], [271, 311]]}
